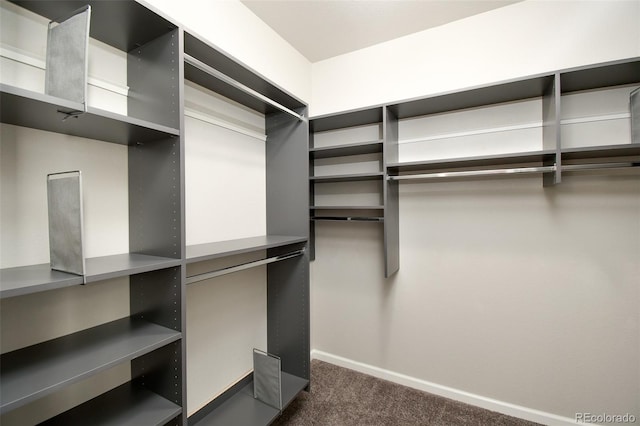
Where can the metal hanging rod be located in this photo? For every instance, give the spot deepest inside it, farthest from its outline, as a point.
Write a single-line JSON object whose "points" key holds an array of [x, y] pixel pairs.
{"points": [[349, 218], [466, 173], [243, 266], [594, 166], [223, 77], [516, 170]]}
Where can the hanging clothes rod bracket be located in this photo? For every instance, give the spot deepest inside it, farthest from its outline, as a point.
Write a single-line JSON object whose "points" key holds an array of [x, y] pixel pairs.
{"points": [[223, 77], [224, 271]]}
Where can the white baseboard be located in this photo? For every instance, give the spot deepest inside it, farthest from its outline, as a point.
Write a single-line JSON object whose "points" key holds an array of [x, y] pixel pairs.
{"points": [[447, 392]]}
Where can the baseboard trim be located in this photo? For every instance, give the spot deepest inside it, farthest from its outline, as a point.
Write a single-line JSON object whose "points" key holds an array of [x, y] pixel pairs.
{"points": [[447, 392]]}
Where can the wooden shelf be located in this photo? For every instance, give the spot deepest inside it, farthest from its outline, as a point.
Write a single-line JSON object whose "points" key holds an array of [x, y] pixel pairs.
{"points": [[126, 405], [243, 409], [33, 372], [39, 111], [345, 150], [473, 162], [36, 278], [208, 251], [136, 25], [355, 177]]}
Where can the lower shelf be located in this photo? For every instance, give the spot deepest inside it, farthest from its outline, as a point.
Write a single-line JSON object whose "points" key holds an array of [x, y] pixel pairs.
{"points": [[126, 405], [243, 409]]}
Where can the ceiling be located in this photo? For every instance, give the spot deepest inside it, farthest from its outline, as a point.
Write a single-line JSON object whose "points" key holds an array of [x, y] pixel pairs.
{"points": [[321, 29]]}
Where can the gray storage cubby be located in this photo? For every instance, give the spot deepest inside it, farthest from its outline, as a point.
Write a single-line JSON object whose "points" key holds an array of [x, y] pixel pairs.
{"points": [[150, 339]]}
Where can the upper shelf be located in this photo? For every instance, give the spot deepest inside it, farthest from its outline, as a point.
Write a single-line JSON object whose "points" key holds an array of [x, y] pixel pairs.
{"points": [[136, 25], [208, 251], [612, 74], [36, 110], [471, 162], [508, 91], [358, 148], [361, 117], [200, 50]]}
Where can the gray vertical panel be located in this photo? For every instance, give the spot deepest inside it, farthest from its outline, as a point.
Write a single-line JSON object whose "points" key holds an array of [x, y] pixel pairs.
{"points": [[66, 62], [312, 195], [634, 109], [391, 214], [159, 370], [287, 151], [153, 76], [158, 297], [551, 128], [66, 242], [288, 313], [288, 214], [155, 215]]}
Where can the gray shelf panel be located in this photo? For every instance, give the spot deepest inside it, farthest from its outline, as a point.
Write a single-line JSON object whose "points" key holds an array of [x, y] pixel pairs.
{"points": [[208, 251], [347, 219], [508, 91], [33, 372], [347, 178], [119, 265], [126, 405], [596, 152], [39, 111], [345, 150], [136, 25], [469, 162], [195, 46], [33, 279], [243, 409], [346, 207], [361, 117], [604, 75]]}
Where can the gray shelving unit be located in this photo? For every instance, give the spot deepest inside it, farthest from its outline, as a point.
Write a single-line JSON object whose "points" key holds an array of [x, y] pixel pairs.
{"points": [[286, 151], [385, 213], [150, 340], [550, 162]]}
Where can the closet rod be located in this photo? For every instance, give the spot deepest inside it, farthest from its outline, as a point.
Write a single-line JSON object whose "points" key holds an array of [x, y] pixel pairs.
{"points": [[492, 172], [349, 218], [517, 170], [223, 77], [200, 277]]}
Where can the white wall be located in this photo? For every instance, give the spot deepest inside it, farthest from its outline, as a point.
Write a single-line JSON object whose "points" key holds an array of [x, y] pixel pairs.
{"points": [[233, 28], [518, 40], [511, 296]]}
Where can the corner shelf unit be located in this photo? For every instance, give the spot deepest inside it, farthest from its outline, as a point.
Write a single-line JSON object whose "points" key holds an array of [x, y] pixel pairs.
{"points": [[287, 229], [337, 152], [150, 339], [551, 161]]}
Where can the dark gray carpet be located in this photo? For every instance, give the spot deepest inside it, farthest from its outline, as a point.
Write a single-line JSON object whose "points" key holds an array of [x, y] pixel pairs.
{"points": [[342, 397]]}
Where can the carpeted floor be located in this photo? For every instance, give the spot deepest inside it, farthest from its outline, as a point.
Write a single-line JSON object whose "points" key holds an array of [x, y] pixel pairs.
{"points": [[342, 397]]}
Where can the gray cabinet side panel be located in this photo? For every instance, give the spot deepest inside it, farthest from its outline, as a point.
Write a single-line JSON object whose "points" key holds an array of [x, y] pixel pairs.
{"points": [[155, 217], [551, 128], [287, 151], [312, 196], [391, 195], [288, 314], [153, 76]]}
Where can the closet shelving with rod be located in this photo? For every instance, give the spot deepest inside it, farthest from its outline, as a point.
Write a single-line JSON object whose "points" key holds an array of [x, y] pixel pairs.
{"points": [[150, 338], [339, 143], [557, 155], [287, 230]]}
